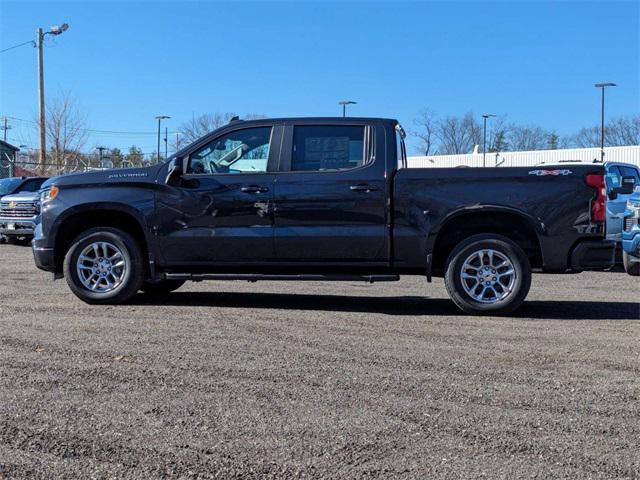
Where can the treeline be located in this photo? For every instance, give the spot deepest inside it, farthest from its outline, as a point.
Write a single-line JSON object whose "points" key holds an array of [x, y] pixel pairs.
{"points": [[450, 135]]}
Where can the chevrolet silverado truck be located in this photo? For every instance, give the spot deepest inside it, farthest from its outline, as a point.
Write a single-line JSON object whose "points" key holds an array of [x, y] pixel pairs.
{"points": [[18, 214], [320, 199]]}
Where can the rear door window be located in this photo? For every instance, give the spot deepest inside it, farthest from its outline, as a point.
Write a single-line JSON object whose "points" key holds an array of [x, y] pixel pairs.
{"points": [[328, 148]]}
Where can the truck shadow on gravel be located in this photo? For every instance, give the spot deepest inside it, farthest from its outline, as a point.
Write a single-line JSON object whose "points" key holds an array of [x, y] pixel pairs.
{"points": [[397, 305]]}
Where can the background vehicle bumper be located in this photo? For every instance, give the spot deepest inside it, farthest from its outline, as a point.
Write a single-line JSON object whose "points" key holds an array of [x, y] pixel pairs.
{"points": [[593, 255], [21, 226]]}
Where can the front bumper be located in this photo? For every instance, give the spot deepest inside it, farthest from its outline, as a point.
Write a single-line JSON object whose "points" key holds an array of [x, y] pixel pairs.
{"points": [[17, 226], [593, 255], [44, 258]]}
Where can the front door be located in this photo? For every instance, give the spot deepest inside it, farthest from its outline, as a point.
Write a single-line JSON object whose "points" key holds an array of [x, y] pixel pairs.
{"points": [[223, 211], [330, 195]]}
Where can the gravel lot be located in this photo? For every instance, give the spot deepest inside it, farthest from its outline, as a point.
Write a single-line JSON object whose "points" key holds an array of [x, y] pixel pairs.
{"points": [[318, 380]]}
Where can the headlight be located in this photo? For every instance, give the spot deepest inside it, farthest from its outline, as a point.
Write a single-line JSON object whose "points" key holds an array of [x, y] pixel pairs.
{"points": [[634, 207], [48, 194]]}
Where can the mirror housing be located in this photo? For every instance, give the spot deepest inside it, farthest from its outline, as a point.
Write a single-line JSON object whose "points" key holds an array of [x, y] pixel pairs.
{"points": [[174, 175], [627, 184]]}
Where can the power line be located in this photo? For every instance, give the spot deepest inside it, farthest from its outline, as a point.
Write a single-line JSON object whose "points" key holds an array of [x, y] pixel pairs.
{"points": [[32, 42], [107, 132]]}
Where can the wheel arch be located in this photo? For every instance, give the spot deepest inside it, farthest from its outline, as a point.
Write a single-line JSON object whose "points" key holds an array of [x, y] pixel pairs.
{"points": [[509, 222], [104, 214]]}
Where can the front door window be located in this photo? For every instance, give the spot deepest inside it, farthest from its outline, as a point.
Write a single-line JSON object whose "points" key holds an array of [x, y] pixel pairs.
{"points": [[241, 151]]}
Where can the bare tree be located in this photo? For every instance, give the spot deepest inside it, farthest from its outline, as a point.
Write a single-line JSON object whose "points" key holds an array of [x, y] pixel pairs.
{"points": [[66, 129], [528, 137], [458, 134], [498, 135], [425, 127], [198, 126], [618, 132]]}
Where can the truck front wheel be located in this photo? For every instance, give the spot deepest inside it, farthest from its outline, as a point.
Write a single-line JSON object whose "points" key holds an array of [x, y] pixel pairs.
{"points": [[104, 266], [488, 274], [631, 267]]}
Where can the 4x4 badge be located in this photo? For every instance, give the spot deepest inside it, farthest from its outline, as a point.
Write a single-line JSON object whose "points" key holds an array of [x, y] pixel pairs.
{"points": [[553, 173]]}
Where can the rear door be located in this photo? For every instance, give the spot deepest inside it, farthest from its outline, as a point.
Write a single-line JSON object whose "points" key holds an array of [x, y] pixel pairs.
{"points": [[330, 194]]}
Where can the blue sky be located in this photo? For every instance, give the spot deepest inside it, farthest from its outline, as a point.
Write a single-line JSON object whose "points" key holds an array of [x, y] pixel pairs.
{"points": [[126, 62]]}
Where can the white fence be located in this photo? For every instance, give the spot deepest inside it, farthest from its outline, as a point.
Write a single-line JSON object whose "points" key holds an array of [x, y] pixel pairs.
{"points": [[530, 158]]}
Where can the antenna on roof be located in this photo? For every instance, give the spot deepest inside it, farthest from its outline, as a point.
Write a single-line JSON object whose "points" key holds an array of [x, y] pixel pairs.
{"points": [[235, 119]]}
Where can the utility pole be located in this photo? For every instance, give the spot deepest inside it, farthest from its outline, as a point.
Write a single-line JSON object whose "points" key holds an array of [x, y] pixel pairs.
{"points": [[177, 141], [602, 86], [484, 136], [5, 128], [166, 150], [43, 142], [57, 30], [160, 118]]}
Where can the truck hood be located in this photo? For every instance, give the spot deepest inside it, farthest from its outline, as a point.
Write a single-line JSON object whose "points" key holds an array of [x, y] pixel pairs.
{"points": [[111, 176], [22, 197]]}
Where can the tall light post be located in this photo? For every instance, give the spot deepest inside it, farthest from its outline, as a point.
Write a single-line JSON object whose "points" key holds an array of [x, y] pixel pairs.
{"points": [[160, 118], [55, 30], [602, 86], [344, 104], [484, 136]]}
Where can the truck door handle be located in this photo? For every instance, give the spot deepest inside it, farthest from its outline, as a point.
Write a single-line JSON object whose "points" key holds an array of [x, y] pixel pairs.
{"points": [[362, 188], [253, 189]]}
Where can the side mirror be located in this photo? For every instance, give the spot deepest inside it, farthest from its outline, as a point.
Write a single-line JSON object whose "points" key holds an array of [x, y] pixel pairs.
{"points": [[174, 175], [627, 185]]}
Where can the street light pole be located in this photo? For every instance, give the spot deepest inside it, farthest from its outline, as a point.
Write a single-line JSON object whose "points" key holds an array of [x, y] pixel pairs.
{"points": [[602, 86], [344, 104], [160, 118], [57, 30], [484, 135]]}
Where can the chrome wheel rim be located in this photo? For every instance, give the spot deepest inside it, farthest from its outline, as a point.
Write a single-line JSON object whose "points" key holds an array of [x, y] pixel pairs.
{"points": [[488, 276], [101, 267]]}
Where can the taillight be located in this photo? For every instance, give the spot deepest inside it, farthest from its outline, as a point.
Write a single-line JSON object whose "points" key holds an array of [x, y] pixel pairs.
{"points": [[598, 207]]}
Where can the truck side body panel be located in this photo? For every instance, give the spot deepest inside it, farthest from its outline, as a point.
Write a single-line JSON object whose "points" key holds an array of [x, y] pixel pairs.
{"points": [[554, 201]]}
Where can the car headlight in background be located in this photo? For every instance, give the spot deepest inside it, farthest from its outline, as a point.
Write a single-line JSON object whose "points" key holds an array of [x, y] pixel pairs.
{"points": [[49, 194]]}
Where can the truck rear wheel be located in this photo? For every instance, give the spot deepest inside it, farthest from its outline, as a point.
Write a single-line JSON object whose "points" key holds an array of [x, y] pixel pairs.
{"points": [[104, 266], [488, 274]]}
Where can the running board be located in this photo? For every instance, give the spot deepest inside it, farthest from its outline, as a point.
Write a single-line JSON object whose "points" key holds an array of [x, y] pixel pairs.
{"points": [[253, 277]]}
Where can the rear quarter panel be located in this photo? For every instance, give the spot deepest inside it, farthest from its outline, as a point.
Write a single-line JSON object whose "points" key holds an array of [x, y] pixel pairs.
{"points": [[557, 205]]}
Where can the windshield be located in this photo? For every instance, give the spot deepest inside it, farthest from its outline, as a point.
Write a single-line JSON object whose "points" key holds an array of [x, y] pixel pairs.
{"points": [[8, 185]]}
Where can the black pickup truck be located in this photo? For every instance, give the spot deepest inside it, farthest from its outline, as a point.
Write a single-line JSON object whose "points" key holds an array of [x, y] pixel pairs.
{"points": [[320, 199]]}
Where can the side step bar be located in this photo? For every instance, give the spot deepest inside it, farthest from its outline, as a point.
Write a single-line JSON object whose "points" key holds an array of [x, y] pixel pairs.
{"points": [[254, 277]]}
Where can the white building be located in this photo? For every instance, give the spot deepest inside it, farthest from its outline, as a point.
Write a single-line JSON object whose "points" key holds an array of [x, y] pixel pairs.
{"points": [[629, 154]]}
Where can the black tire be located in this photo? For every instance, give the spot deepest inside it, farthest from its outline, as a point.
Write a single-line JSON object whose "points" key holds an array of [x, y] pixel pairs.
{"points": [[160, 287], [505, 247], [132, 278], [632, 268]]}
